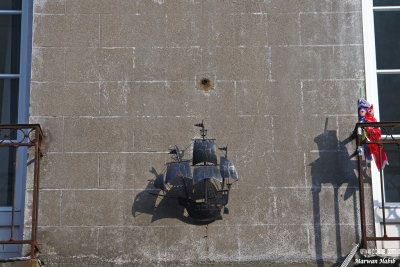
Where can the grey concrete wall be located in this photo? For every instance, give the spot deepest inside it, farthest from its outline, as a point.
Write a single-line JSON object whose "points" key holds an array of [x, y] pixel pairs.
{"points": [[115, 84]]}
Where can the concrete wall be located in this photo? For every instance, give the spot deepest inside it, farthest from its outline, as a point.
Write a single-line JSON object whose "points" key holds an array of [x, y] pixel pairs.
{"points": [[115, 84]]}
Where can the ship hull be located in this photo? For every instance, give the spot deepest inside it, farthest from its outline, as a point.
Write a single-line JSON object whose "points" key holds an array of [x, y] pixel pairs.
{"points": [[201, 211]]}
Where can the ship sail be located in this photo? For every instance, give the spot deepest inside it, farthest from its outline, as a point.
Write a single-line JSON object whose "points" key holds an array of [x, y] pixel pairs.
{"points": [[203, 172], [227, 169], [204, 151], [178, 169]]}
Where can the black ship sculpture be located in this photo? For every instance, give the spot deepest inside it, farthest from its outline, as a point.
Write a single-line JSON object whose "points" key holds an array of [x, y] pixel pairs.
{"points": [[203, 192]]}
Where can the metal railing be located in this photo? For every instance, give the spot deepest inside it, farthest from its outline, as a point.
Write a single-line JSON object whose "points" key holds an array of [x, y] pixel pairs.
{"points": [[17, 136], [364, 137]]}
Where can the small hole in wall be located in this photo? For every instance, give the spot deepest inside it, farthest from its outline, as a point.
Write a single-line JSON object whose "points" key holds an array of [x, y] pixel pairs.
{"points": [[205, 84]]}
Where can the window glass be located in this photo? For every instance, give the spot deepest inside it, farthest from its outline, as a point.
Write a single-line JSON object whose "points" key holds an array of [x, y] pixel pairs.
{"points": [[392, 173], [10, 38], [8, 101], [10, 4], [386, 2], [389, 97], [387, 39], [7, 172]]}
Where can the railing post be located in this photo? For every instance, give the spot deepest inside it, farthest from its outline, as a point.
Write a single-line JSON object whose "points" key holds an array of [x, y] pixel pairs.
{"points": [[14, 191], [364, 243], [35, 193], [382, 192]]}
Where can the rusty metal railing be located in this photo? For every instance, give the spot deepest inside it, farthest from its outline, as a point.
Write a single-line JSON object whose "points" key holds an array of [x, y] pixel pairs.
{"points": [[16, 136], [389, 136]]}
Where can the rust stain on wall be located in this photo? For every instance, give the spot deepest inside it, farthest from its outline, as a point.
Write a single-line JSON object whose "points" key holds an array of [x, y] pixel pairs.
{"points": [[205, 84]]}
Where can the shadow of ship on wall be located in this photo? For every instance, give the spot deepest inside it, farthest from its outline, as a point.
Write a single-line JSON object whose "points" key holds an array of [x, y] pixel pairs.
{"points": [[151, 202]]}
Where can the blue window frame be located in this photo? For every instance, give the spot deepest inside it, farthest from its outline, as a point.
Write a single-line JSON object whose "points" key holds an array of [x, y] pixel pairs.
{"points": [[15, 69]]}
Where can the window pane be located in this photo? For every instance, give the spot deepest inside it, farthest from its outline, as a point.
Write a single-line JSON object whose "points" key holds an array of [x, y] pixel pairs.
{"points": [[386, 2], [7, 172], [8, 101], [387, 39], [389, 97], [10, 4], [10, 37], [392, 173]]}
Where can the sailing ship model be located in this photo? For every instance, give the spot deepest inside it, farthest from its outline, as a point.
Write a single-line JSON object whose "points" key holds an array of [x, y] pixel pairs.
{"points": [[200, 184]]}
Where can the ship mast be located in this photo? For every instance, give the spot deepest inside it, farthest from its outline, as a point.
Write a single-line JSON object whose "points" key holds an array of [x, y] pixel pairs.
{"points": [[225, 148], [203, 134], [203, 130], [178, 153]]}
